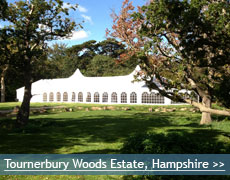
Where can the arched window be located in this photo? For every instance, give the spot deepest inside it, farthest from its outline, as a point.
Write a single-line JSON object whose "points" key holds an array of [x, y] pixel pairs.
{"points": [[153, 98], [105, 97], [51, 97], [44, 97], [96, 97], [65, 96], [88, 98], [58, 96], [123, 97], [114, 97], [160, 99], [73, 97], [144, 97], [80, 97], [133, 97], [156, 98]]}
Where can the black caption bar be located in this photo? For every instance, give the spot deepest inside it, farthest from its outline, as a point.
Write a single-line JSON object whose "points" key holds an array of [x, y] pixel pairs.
{"points": [[116, 164]]}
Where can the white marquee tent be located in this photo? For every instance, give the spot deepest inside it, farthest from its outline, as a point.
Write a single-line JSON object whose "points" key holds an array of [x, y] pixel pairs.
{"points": [[106, 90]]}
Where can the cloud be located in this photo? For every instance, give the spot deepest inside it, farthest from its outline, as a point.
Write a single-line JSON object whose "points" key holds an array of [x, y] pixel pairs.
{"points": [[66, 5], [79, 7], [69, 5], [78, 35], [82, 9], [43, 27], [87, 18]]}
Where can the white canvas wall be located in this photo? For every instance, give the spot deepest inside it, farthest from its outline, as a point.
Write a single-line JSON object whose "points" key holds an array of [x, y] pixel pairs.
{"points": [[79, 83]]}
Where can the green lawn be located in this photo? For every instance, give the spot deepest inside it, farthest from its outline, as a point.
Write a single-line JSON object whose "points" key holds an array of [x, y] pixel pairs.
{"points": [[89, 131], [99, 131]]}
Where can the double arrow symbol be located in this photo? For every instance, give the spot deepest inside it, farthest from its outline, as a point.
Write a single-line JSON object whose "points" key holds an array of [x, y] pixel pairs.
{"points": [[216, 164]]}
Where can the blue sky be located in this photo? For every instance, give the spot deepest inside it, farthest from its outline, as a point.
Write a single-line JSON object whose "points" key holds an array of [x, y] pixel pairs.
{"points": [[96, 14]]}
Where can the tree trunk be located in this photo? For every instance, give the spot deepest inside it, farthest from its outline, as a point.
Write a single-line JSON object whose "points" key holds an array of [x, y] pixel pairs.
{"points": [[3, 87], [24, 110], [206, 116]]}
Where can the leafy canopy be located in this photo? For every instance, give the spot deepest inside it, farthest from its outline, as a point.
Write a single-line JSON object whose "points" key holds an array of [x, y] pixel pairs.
{"points": [[181, 44], [187, 42]]}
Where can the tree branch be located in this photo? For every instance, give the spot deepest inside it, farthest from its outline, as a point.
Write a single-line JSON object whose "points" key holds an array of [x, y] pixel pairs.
{"points": [[163, 92], [208, 110]]}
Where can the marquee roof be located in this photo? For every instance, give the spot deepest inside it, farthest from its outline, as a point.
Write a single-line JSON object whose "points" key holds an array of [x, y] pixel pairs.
{"points": [[79, 82]]}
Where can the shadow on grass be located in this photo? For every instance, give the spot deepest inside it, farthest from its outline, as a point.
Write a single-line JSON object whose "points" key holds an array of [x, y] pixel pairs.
{"points": [[173, 177], [46, 135], [102, 151], [105, 130], [220, 118], [176, 141]]}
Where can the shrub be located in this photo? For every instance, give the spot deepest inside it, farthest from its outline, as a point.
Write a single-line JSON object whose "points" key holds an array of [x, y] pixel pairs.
{"points": [[173, 143]]}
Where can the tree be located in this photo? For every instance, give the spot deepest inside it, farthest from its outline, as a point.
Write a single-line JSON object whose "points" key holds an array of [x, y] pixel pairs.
{"points": [[181, 45], [106, 61], [102, 65], [79, 56], [32, 24], [8, 58], [4, 63], [3, 9], [57, 61], [98, 58], [110, 47], [4, 66]]}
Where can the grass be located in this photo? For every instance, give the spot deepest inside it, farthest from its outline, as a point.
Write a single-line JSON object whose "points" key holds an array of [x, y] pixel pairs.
{"points": [[11, 105], [101, 131], [84, 132]]}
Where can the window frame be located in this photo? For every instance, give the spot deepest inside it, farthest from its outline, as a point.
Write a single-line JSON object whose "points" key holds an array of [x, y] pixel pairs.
{"points": [[51, 97], [133, 97], [88, 97], [123, 97], [80, 97], [114, 97], [105, 97], [65, 97], [44, 97], [96, 97]]}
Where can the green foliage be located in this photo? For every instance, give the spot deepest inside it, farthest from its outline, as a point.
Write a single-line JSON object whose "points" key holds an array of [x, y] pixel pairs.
{"points": [[60, 177], [31, 23], [104, 132], [195, 43], [181, 45], [59, 61], [110, 47], [3, 9], [221, 92], [102, 65], [91, 57], [193, 37], [172, 143], [175, 177], [35, 126], [80, 56]]}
